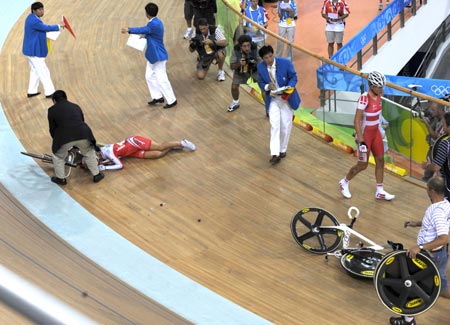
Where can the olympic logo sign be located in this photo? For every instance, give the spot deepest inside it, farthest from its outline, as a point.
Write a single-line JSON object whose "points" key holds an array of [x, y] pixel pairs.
{"points": [[440, 91]]}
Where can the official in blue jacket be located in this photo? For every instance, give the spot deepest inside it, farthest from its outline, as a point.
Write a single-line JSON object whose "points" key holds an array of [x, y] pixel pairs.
{"points": [[277, 79], [156, 54], [35, 49]]}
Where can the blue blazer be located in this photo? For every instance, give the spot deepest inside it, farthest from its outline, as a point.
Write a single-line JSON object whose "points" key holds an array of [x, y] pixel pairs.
{"points": [[34, 40], [154, 33], [286, 76]]}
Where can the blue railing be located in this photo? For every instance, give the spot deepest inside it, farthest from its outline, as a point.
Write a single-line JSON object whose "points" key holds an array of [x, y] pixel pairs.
{"points": [[330, 77]]}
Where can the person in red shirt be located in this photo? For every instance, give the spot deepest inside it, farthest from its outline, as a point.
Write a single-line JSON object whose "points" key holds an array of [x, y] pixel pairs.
{"points": [[368, 137], [138, 147], [334, 12]]}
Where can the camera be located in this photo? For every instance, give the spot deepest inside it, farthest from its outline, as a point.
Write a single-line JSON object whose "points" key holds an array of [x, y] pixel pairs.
{"points": [[250, 61], [195, 43]]}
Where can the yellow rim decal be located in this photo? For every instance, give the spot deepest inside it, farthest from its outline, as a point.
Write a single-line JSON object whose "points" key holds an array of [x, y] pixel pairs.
{"points": [[436, 281], [420, 264], [305, 210], [390, 260], [307, 246], [340, 233], [349, 257], [414, 303], [370, 273], [397, 310]]}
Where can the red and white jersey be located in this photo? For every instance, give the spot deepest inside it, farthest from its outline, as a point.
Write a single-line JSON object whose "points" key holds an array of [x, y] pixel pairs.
{"points": [[372, 111], [134, 146], [335, 10]]}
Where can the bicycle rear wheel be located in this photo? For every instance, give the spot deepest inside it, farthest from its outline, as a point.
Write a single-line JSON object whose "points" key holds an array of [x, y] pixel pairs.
{"points": [[307, 232], [361, 263], [407, 286]]}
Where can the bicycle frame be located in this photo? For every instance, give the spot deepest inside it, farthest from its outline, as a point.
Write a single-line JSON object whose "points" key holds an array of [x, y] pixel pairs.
{"points": [[348, 231], [346, 240]]}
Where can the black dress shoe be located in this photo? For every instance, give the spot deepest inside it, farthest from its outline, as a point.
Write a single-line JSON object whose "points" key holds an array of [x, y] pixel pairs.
{"points": [[275, 160], [59, 181], [32, 95], [49, 96], [170, 105], [156, 101], [97, 178], [282, 154]]}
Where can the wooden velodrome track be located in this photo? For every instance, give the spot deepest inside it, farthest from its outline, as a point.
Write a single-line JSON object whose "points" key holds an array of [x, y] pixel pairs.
{"points": [[219, 215]]}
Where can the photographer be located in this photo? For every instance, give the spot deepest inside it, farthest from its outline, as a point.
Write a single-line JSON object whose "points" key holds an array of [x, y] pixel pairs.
{"points": [[433, 122], [210, 43], [243, 61]]}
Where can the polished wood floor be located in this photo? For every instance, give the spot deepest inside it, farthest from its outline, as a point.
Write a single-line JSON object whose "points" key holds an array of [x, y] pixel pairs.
{"points": [[219, 215]]}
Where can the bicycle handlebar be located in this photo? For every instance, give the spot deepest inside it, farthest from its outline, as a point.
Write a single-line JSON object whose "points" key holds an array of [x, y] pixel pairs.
{"points": [[351, 210]]}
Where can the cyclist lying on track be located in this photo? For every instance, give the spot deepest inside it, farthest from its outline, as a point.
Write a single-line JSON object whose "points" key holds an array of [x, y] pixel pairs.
{"points": [[139, 147]]}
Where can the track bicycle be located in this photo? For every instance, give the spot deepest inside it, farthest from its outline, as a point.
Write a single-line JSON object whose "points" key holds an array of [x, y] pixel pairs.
{"points": [[73, 159], [404, 285]]}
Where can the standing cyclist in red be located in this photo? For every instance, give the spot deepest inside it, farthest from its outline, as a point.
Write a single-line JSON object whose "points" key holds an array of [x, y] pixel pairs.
{"points": [[139, 147], [368, 136]]}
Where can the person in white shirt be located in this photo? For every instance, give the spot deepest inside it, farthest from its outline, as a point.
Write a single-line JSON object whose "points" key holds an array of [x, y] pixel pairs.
{"points": [[432, 237]]}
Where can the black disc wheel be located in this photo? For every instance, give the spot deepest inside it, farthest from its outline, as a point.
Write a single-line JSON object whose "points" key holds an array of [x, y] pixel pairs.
{"points": [[310, 230], [407, 286], [361, 263]]}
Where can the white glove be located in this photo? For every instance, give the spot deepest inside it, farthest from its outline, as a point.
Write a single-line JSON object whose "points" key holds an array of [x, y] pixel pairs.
{"points": [[101, 168], [362, 147]]}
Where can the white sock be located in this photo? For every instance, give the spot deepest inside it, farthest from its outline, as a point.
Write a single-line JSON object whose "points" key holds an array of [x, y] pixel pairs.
{"points": [[380, 188], [235, 101]]}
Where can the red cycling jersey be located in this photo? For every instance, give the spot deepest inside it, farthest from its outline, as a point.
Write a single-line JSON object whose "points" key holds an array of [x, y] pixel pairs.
{"points": [[134, 146], [369, 123]]}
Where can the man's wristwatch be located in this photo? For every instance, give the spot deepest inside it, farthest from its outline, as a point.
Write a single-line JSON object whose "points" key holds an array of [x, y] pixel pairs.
{"points": [[421, 247]]}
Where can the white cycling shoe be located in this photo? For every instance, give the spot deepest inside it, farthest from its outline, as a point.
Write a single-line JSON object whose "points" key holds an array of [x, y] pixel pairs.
{"points": [[344, 187], [383, 195]]}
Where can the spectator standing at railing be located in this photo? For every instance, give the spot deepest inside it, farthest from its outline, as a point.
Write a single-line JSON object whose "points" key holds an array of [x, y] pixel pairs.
{"points": [[440, 163], [287, 13], [334, 12], [247, 3], [433, 122], [380, 7], [258, 14]]}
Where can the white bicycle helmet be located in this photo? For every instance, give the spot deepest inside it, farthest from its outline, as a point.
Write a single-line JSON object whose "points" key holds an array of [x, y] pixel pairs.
{"points": [[376, 79]]}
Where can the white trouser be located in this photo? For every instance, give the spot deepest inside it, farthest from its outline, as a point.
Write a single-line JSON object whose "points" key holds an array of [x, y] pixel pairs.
{"points": [[39, 72], [280, 117], [289, 34], [158, 83]]}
